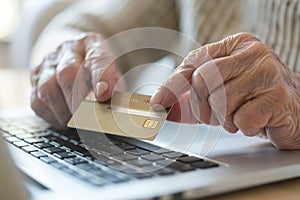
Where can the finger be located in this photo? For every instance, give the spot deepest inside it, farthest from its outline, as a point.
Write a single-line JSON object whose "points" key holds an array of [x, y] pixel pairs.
{"points": [[100, 61], [283, 137], [42, 110], [200, 103], [227, 98], [253, 116], [50, 94], [51, 60], [71, 58], [34, 75], [179, 82], [181, 111], [81, 88], [220, 103], [212, 55]]}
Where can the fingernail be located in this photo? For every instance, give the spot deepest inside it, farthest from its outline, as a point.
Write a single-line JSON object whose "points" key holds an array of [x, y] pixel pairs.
{"points": [[156, 100], [101, 88], [250, 132], [157, 107]]}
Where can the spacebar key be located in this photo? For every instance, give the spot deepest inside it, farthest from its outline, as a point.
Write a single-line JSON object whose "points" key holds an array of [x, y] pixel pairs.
{"points": [[75, 161]]}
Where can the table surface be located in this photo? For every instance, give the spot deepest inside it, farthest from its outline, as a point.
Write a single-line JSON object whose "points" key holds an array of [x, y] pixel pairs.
{"points": [[15, 93]]}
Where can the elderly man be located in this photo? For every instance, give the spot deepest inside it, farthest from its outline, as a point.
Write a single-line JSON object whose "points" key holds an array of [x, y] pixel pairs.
{"points": [[256, 75]]}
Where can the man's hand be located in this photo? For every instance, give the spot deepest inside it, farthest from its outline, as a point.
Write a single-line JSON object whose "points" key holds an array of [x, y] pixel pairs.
{"points": [[238, 83], [67, 75]]}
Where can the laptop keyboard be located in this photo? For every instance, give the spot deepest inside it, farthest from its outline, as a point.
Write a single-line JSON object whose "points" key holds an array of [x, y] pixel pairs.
{"points": [[103, 160]]}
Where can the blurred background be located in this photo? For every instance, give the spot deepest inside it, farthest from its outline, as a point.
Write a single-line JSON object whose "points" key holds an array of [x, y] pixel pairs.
{"points": [[9, 19], [21, 22]]}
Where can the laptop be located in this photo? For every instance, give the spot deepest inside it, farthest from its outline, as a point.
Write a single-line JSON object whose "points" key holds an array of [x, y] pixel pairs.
{"points": [[183, 161]]}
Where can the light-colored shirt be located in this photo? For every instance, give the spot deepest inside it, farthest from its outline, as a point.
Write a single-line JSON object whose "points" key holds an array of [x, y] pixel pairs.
{"points": [[275, 22]]}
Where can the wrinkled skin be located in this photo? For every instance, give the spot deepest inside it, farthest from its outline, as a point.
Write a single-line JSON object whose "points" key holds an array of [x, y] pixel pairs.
{"points": [[66, 76], [258, 92]]}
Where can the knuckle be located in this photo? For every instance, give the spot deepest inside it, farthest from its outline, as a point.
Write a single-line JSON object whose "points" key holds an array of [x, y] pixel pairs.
{"points": [[36, 105], [197, 78], [229, 127], [241, 120], [204, 118], [92, 36], [66, 76], [260, 47], [190, 59], [35, 75], [68, 44], [45, 93], [37, 109], [246, 36], [283, 92]]}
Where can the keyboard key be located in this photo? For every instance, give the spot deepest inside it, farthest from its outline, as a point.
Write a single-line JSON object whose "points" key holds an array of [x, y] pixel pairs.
{"points": [[163, 151], [20, 144], [47, 159], [126, 146], [58, 165], [53, 150], [125, 157], [63, 155], [73, 141], [58, 142], [68, 145], [181, 167], [174, 155], [43, 145], [23, 136], [204, 164], [40, 134], [142, 175], [49, 138], [16, 132], [152, 157], [139, 162], [163, 162], [81, 151], [101, 159], [86, 166], [112, 162], [113, 150], [137, 152], [189, 159], [12, 139], [29, 149], [5, 134], [34, 140], [75, 161], [38, 154], [164, 171], [175, 165]]}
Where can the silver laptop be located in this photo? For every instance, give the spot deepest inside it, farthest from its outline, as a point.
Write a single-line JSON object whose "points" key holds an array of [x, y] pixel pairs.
{"points": [[58, 165], [184, 161]]}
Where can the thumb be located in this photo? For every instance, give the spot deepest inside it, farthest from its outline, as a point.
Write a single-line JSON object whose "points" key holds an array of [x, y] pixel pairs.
{"points": [[181, 111]]}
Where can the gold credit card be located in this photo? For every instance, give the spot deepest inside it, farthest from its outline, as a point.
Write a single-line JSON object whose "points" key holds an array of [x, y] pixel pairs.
{"points": [[125, 114]]}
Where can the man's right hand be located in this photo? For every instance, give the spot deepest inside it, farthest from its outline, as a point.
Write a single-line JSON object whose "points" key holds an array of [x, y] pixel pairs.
{"points": [[66, 76]]}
